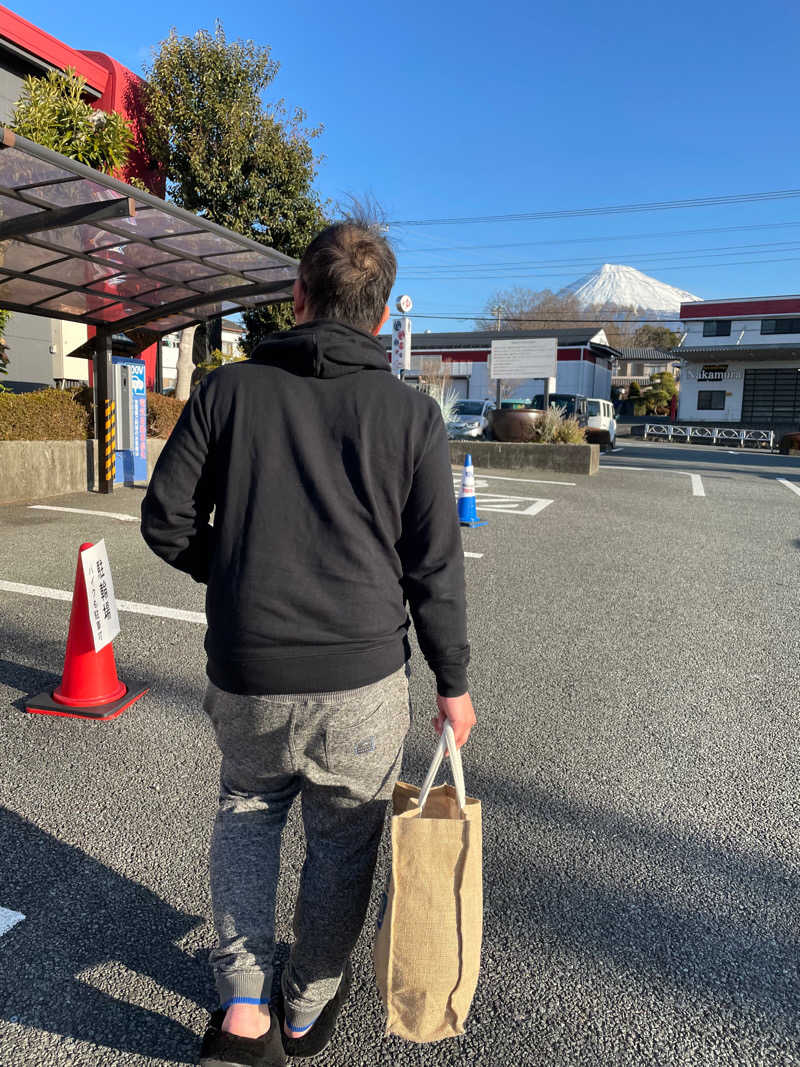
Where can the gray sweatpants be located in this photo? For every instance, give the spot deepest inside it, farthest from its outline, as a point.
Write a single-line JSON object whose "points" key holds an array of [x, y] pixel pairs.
{"points": [[341, 753]]}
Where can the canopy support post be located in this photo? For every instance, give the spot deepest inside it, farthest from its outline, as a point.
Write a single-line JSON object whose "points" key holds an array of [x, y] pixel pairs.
{"points": [[105, 414]]}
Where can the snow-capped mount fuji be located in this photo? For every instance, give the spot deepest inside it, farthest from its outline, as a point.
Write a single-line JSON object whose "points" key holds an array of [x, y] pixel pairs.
{"points": [[626, 287]]}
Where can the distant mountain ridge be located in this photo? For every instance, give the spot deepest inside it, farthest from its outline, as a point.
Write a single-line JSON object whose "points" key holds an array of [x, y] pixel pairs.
{"points": [[626, 287]]}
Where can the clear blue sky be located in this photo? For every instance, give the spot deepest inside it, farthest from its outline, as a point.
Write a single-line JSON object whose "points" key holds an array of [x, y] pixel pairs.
{"points": [[450, 109]]}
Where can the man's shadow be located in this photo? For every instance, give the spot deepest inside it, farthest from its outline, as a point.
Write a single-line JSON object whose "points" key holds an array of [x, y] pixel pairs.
{"points": [[80, 915]]}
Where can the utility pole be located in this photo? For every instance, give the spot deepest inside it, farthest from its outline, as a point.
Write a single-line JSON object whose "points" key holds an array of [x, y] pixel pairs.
{"points": [[498, 310]]}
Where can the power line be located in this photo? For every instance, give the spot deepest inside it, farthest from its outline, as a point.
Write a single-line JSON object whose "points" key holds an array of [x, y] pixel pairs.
{"points": [[610, 237], [720, 250], [507, 276], [663, 205], [573, 320], [615, 209]]}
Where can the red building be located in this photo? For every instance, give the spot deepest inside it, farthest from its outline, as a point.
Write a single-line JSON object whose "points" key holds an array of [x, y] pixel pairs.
{"points": [[39, 348]]}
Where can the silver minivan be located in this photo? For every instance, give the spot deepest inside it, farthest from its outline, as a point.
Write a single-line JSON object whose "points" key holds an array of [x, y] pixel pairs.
{"points": [[469, 418]]}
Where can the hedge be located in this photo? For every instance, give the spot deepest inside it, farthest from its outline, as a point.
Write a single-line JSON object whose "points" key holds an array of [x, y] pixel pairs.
{"points": [[66, 415], [45, 415], [162, 414]]}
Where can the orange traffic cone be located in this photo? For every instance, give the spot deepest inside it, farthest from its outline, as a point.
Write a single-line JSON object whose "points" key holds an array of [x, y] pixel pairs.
{"points": [[90, 688]]}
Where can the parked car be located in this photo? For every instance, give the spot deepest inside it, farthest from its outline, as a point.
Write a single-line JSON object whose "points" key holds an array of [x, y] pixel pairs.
{"points": [[572, 403], [601, 428], [469, 418]]}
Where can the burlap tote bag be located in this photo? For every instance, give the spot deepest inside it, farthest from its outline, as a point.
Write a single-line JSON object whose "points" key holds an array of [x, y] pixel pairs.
{"points": [[428, 945]]}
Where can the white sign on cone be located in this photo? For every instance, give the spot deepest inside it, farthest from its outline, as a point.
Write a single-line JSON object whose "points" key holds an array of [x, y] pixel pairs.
{"points": [[100, 595], [468, 481]]}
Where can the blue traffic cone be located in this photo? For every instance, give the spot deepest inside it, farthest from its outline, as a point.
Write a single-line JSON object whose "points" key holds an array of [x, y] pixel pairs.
{"points": [[467, 513]]}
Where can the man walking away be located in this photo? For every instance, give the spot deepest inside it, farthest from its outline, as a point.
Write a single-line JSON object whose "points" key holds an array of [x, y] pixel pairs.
{"points": [[332, 493]]}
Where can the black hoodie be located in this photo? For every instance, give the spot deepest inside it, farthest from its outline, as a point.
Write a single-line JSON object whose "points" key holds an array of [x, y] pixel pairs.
{"points": [[334, 504]]}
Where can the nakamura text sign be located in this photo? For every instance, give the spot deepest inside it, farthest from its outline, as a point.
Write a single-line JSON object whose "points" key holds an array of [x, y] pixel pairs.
{"points": [[523, 358]]}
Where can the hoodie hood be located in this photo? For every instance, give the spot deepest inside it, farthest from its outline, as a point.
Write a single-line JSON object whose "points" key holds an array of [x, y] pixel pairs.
{"points": [[323, 348]]}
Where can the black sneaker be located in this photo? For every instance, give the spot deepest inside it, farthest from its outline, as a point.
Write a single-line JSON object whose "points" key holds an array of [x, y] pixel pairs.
{"points": [[221, 1049], [321, 1032]]}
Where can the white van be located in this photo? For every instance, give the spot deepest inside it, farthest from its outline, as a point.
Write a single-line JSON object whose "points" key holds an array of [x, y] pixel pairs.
{"points": [[601, 427]]}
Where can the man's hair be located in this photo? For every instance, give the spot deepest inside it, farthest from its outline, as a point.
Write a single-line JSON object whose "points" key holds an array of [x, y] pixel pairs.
{"points": [[347, 272]]}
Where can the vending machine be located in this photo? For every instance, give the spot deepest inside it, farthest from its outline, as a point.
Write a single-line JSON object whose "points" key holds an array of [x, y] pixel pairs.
{"points": [[130, 399]]}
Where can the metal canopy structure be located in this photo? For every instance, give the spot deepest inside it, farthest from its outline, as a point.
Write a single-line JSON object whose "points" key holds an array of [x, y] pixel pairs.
{"points": [[77, 244]]}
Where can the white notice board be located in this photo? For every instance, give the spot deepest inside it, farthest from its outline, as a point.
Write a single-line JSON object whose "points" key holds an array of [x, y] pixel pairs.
{"points": [[100, 594], [524, 358]]}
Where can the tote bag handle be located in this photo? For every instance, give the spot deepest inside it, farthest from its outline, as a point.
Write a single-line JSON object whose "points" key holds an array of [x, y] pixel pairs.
{"points": [[447, 743]]}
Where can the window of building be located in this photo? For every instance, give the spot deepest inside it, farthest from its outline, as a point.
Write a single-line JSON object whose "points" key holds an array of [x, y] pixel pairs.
{"points": [[717, 328], [780, 325], [710, 399]]}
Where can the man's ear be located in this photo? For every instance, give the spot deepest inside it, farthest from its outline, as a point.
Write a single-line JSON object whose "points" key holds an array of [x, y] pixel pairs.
{"points": [[299, 299], [382, 323]]}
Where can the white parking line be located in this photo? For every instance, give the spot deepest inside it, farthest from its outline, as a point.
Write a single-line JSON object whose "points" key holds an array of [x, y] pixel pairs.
{"points": [[509, 505], [123, 605], [87, 511], [503, 478], [164, 613], [697, 483], [696, 480], [789, 485], [8, 919], [474, 555]]}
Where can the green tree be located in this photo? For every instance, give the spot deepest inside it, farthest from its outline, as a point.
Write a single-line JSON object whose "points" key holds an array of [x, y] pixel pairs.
{"points": [[230, 157], [660, 337], [665, 381], [53, 112], [662, 388], [634, 390]]}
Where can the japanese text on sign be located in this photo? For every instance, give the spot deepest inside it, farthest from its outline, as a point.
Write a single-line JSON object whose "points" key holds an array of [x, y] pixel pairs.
{"points": [[401, 344], [526, 358], [100, 595]]}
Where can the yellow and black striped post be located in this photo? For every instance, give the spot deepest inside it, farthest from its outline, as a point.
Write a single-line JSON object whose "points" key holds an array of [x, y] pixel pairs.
{"points": [[110, 443], [105, 420]]}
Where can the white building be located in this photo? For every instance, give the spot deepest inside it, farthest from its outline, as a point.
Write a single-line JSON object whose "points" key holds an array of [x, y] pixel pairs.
{"points": [[232, 333], [583, 368], [740, 362]]}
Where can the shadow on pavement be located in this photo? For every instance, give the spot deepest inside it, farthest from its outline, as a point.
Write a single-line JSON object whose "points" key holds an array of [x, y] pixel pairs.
{"points": [[701, 917], [694, 920], [79, 914], [29, 680]]}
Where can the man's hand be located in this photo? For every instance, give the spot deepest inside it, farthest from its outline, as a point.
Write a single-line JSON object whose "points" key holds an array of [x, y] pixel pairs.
{"points": [[460, 712]]}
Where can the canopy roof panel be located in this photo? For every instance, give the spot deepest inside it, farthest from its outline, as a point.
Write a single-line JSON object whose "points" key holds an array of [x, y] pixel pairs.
{"points": [[76, 244]]}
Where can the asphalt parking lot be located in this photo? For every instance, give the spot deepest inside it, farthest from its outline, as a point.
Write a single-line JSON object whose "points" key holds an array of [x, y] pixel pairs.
{"points": [[635, 650]]}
